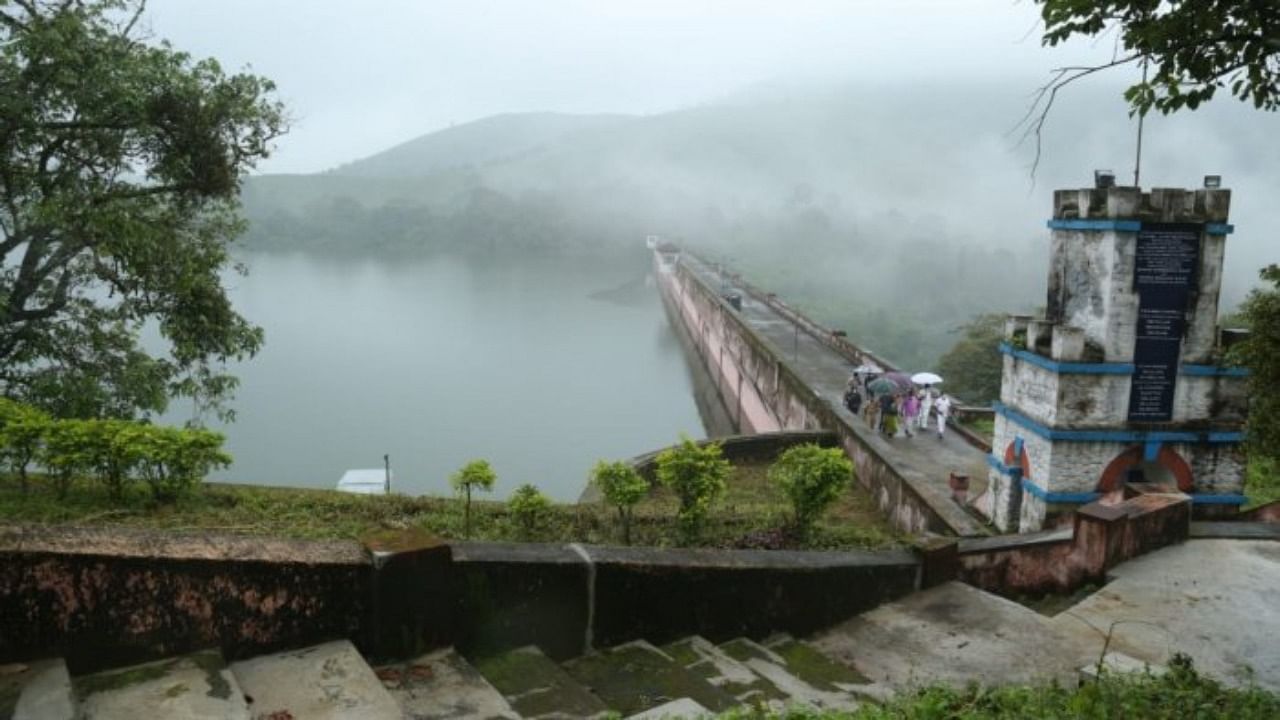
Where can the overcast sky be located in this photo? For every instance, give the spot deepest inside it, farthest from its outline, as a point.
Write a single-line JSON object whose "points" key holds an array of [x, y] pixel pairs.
{"points": [[360, 77]]}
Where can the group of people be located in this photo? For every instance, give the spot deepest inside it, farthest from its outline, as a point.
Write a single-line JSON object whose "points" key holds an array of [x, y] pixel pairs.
{"points": [[905, 409]]}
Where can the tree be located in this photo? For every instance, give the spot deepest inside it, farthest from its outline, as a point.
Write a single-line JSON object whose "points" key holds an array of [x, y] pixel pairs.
{"points": [[622, 487], [22, 431], [697, 475], [812, 478], [1260, 352], [529, 508], [120, 168], [66, 452], [478, 475], [972, 367], [1192, 49]]}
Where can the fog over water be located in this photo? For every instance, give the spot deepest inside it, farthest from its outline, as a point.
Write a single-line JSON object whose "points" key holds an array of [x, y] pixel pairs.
{"points": [[540, 365], [463, 179]]}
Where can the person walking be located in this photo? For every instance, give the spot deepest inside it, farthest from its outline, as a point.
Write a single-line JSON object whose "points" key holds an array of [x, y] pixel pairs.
{"points": [[889, 414], [926, 404], [943, 408], [910, 410]]}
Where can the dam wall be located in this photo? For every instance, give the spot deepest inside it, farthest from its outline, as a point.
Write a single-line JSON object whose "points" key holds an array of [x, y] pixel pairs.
{"points": [[760, 385]]}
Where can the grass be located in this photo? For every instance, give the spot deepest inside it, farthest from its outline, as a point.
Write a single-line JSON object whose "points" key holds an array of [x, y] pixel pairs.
{"points": [[984, 426], [1262, 481], [1178, 694], [750, 515]]}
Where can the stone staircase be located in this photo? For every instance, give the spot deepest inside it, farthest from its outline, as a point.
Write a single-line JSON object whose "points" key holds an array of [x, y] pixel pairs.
{"points": [[951, 633], [687, 678]]}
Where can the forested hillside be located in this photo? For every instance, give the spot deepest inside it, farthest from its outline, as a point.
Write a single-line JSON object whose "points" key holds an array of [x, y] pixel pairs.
{"points": [[896, 213]]}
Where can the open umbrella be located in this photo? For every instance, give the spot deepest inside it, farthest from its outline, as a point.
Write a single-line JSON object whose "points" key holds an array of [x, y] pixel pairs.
{"points": [[867, 369], [926, 378], [883, 386], [902, 380]]}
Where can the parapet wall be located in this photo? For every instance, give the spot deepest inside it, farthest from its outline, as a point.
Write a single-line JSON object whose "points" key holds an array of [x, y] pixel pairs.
{"points": [[765, 395], [107, 598]]}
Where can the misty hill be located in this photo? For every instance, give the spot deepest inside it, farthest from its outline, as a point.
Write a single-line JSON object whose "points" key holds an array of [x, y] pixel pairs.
{"points": [[507, 137], [896, 212]]}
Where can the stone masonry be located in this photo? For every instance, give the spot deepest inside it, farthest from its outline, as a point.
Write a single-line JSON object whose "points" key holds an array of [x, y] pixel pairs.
{"points": [[1122, 379]]}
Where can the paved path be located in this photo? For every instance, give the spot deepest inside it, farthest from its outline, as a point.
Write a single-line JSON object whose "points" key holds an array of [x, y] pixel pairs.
{"points": [[827, 371], [1213, 600]]}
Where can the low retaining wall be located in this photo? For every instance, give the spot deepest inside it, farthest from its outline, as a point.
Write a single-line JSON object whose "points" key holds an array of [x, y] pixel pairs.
{"points": [[567, 599], [1059, 561], [107, 598], [766, 395], [104, 598]]}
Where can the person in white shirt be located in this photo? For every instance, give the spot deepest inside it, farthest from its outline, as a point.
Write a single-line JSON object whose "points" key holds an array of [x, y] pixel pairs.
{"points": [[926, 403], [942, 406]]}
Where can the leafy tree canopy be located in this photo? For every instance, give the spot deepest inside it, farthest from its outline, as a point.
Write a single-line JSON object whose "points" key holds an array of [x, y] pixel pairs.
{"points": [[1194, 48], [1260, 352], [120, 167], [972, 366]]}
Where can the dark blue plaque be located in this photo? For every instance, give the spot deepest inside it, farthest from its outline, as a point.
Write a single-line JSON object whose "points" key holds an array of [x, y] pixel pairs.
{"points": [[1164, 276]]}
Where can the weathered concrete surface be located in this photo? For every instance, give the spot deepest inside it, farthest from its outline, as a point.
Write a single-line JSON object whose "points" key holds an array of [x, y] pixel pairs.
{"points": [[38, 690], [112, 597], [703, 658], [194, 687], [536, 687], [635, 677], [955, 634], [325, 681], [797, 682], [682, 708], [442, 684], [1214, 600]]}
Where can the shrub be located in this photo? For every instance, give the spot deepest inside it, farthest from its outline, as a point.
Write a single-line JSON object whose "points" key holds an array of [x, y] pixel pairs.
{"points": [[529, 508], [622, 487], [477, 475], [22, 431], [697, 475], [173, 460], [812, 478]]}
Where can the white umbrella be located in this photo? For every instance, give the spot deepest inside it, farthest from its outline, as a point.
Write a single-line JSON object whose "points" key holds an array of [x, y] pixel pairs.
{"points": [[867, 368], [926, 378]]}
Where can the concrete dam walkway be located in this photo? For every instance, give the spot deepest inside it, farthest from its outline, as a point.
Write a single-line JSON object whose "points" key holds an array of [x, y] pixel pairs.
{"points": [[924, 460]]}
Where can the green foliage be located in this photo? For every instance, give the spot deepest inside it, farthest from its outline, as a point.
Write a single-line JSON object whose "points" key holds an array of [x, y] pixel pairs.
{"points": [[122, 162], [475, 475], [1179, 694], [22, 430], [1262, 480], [170, 460], [1194, 48], [529, 509], [173, 460], [697, 475], [812, 478], [622, 488], [1260, 352], [972, 367], [67, 452]]}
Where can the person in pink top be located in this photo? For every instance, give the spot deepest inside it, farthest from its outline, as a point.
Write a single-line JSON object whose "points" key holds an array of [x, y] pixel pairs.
{"points": [[910, 410]]}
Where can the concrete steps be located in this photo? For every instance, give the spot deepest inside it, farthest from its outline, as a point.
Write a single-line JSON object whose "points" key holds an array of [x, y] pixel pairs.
{"points": [[325, 681], [38, 690], [803, 681], [198, 686], [442, 684], [537, 687], [636, 677], [707, 661]]}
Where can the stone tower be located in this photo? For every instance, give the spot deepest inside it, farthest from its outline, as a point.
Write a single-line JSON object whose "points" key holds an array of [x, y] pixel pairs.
{"points": [[1122, 381]]}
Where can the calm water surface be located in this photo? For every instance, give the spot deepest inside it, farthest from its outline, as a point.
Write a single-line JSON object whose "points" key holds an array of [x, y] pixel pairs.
{"points": [[539, 365]]}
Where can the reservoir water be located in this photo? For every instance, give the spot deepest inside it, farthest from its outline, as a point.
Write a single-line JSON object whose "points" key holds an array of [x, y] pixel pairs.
{"points": [[540, 365]]}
